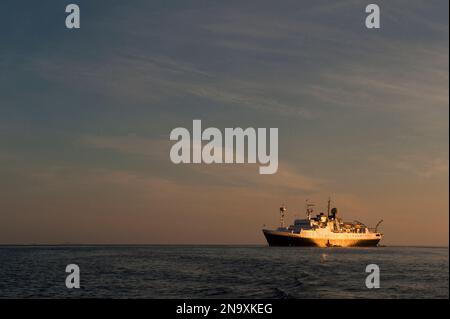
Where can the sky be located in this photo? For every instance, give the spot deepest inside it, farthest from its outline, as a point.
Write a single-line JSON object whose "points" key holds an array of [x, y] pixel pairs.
{"points": [[86, 115]]}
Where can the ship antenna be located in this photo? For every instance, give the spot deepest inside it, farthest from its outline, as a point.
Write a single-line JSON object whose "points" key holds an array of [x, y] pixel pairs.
{"points": [[308, 209], [308, 214], [283, 210], [329, 203]]}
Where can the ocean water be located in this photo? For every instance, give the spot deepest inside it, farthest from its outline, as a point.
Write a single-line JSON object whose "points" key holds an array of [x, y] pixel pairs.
{"points": [[222, 272]]}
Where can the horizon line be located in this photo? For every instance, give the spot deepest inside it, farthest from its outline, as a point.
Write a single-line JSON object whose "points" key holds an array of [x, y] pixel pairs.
{"points": [[243, 245]]}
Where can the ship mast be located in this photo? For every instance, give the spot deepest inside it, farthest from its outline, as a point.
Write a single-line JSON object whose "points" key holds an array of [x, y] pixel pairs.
{"points": [[283, 210], [309, 209], [329, 206]]}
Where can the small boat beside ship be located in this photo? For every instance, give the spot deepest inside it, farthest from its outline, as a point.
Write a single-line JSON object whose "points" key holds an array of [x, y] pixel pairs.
{"points": [[322, 230]]}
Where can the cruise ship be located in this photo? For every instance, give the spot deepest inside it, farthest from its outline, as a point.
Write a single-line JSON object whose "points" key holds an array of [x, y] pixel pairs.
{"points": [[322, 230]]}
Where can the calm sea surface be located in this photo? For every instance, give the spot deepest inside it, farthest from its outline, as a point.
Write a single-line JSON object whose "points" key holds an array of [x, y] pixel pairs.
{"points": [[222, 272]]}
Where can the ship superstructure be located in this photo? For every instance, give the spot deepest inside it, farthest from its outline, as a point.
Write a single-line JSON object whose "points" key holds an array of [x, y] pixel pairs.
{"points": [[322, 230]]}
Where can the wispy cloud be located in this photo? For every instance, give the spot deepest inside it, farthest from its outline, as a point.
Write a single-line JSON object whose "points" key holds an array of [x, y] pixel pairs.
{"points": [[420, 165], [243, 176], [151, 148]]}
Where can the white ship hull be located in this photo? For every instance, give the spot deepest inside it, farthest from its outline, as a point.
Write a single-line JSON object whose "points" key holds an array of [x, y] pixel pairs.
{"points": [[315, 238], [323, 230]]}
